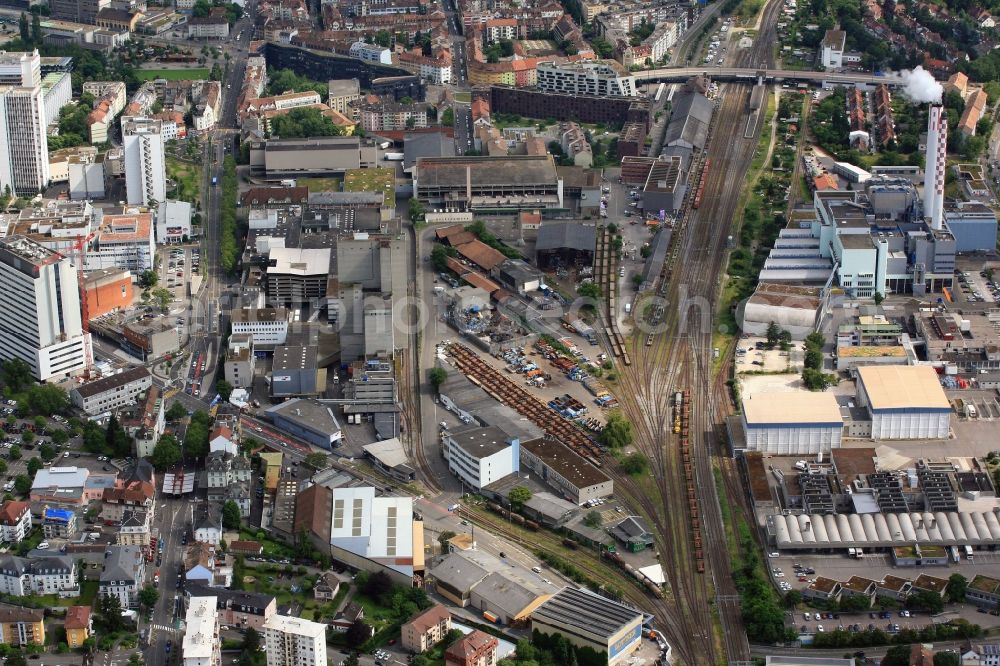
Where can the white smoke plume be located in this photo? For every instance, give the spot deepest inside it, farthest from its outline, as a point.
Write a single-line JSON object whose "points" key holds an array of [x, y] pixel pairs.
{"points": [[919, 85]]}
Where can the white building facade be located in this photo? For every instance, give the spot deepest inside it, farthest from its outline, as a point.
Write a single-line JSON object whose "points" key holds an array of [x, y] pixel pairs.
{"points": [[292, 641], [145, 164]]}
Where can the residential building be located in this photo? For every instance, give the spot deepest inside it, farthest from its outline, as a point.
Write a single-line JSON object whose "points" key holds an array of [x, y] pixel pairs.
{"points": [[574, 144], [112, 392], [588, 620], [604, 77], [207, 27], [240, 361], [474, 649], [221, 440], [392, 116], [79, 626], [15, 521], [237, 608], [123, 575], [223, 469], [86, 174], [130, 497], [326, 588], [43, 326], [479, 456], [975, 105], [21, 626], [426, 629], [293, 641], [201, 645], [207, 523], [204, 566], [58, 523], [133, 529], [145, 166], [24, 149], [831, 51], [55, 574], [208, 105], [109, 101], [341, 93]]}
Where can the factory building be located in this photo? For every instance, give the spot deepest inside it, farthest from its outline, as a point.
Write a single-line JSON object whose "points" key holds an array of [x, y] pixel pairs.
{"points": [[792, 423], [588, 620], [469, 183], [974, 225], [904, 402]]}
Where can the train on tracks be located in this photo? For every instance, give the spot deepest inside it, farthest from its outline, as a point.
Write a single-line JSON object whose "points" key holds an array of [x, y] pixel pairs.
{"points": [[682, 427], [651, 586], [512, 516], [701, 184]]}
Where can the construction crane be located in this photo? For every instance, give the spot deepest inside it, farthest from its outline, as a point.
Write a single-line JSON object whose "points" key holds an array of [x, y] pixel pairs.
{"points": [[78, 248]]}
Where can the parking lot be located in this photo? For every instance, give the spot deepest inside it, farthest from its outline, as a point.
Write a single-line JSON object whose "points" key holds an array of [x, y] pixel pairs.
{"points": [[752, 356]]}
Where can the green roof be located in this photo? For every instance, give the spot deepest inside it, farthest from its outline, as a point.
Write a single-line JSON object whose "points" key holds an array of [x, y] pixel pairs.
{"points": [[378, 179]]}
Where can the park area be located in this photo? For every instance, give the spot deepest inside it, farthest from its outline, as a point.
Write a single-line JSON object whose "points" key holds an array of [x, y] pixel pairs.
{"points": [[185, 74]]}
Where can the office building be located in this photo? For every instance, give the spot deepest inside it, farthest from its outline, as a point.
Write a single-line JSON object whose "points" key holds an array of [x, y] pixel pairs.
{"points": [[110, 393], [124, 240], [295, 277], [40, 294], [479, 456], [604, 77], [201, 645], [173, 222], [292, 641], [145, 166], [588, 620], [20, 68], [24, 147], [268, 326]]}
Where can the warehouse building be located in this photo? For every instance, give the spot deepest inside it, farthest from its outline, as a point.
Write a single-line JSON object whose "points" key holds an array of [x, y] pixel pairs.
{"points": [[503, 592], [883, 530], [904, 402], [488, 183], [974, 225], [276, 159], [558, 466], [792, 423], [309, 420], [565, 244], [794, 308], [588, 620]]}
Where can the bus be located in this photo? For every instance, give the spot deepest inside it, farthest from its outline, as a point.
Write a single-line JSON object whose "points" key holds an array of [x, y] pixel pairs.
{"points": [[968, 552], [953, 551], [215, 181]]}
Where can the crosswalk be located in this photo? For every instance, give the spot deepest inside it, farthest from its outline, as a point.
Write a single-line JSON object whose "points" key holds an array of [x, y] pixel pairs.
{"points": [[163, 628]]}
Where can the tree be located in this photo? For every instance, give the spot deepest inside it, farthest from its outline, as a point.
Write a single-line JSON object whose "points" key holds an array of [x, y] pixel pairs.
{"points": [[34, 464], [161, 298], [27, 436], [518, 495], [148, 596], [377, 586], [3, 467], [16, 374], [617, 432], [879, 297], [166, 453], [593, 519], [304, 122], [589, 290], [946, 658], [148, 279], [635, 464], [448, 117], [176, 412], [443, 539], [437, 376], [59, 437], [196, 438], [926, 601], [439, 257], [16, 658], [317, 460], [23, 27], [358, 633], [109, 613], [773, 335], [47, 451], [135, 660], [792, 598], [44, 399], [417, 211], [224, 389], [22, 484], [117, 442], [14, 453], [231, 515], [957, 587], [36, 29]]}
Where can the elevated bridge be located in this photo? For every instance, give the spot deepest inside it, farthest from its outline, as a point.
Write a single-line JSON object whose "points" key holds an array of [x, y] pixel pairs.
{"points": [[680, 74]]}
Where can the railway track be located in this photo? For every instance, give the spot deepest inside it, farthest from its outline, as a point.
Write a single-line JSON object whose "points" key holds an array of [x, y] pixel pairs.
{"points": [[678, 357], [410, 419]]}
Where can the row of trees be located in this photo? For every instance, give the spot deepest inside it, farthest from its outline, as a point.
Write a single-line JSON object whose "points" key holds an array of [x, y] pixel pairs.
{"points": [[304, 122], [229, 245], [812, 368]]}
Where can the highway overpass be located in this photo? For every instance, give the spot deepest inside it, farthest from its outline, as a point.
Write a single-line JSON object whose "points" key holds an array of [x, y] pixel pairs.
{"points": [[680, 74]]}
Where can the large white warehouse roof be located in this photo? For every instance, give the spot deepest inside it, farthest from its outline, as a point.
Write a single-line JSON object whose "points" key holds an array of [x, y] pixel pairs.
{"points": [[885, 529], [902, 387], [791, 407]]}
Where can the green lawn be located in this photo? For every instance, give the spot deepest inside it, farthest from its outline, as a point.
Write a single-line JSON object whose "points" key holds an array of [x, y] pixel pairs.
{"points": [[187, 177], [319, 184], [372, 180], [191, 74]]}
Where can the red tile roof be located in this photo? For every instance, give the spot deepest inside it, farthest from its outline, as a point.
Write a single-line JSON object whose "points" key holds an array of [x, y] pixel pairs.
{"points": [[12, 511], [77, 617]]}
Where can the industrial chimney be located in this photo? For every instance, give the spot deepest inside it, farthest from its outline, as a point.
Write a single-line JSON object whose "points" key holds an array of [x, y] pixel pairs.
{"points": [[934, 169]]}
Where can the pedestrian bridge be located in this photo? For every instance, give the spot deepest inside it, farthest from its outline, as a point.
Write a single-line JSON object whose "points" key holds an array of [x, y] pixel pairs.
{"points": [[750, 75]]}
